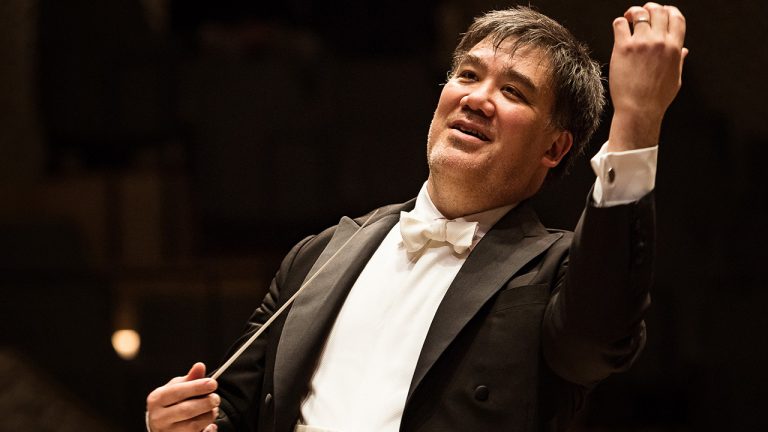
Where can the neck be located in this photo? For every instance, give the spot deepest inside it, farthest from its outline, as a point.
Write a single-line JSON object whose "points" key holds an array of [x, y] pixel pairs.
{"points": [[461, 200]]}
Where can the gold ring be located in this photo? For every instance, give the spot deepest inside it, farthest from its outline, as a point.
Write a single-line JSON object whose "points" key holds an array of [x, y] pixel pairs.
{"points": [[641, 20]]}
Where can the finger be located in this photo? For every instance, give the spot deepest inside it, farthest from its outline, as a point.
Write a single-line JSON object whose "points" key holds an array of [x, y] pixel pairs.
{"points": [[178, 379], [621, 30], [639, 18], [658, 16], [172, 394], [188, 390], [198, 423], [676, 25], [682, 60], [635, 12], [195, 372], [202, 410], [211, 428], [630, 13]]}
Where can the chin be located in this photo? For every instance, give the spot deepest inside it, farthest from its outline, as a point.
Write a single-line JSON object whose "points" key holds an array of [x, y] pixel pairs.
{"points": [[455, 157], [457, 170]]}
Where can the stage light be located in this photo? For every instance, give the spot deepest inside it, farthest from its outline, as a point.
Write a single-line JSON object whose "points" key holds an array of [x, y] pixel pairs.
{"points": [[126, 343]]}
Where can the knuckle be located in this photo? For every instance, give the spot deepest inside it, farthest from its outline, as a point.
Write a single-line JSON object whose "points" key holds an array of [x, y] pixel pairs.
{"points": [[673, 9], [650, 45], [625, 48], [654, 46], [201, 421], [153, 398], [657, 45], [159, 422], [190, 409], [671, 50], [636, 47]]}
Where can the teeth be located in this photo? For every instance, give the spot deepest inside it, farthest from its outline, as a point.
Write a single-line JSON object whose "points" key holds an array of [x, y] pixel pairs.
{"points": [[473, 133]]}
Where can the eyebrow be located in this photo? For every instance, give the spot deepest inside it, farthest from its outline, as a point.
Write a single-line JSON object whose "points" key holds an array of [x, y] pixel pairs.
{"points": [[509, 72]]}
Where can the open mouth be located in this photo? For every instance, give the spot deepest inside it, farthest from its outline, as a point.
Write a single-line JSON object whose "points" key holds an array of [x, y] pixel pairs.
{"points": [[471, 132]]}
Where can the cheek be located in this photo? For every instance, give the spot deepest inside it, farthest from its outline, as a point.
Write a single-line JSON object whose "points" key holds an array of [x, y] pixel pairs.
{"points": [[440, 116], [450, 97], [524, 126], [525, 139], [517, 118]]}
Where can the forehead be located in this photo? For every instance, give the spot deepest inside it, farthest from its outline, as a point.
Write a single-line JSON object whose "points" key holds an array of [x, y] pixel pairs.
{"points": [[527, 59]]}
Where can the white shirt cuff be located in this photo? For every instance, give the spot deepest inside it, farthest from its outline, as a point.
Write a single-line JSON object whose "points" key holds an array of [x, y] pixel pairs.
{"points": [[623, 177]]}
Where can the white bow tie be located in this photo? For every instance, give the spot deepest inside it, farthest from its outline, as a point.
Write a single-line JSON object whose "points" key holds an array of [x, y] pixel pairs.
{"points": [[417, 232]]}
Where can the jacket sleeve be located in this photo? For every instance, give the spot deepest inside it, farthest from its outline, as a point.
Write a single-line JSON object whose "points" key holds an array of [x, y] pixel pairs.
{"points": [[593, 325]]}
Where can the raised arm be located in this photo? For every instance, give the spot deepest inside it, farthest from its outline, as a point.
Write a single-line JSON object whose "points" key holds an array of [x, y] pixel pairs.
{"points": [[594, 323]]}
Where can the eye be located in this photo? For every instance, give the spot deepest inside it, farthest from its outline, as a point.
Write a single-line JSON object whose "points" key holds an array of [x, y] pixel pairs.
{"points": [[513, 92], [466, 75]]}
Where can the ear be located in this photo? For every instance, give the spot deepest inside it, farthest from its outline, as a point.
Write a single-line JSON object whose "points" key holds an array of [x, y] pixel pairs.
{"points": [[558, 149]]}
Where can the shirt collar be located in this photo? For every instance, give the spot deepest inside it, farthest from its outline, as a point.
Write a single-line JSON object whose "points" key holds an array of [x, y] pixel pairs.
{"points": [[426, 209]]}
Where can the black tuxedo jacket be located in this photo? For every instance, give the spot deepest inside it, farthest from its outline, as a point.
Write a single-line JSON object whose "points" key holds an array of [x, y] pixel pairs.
{"points": [[533, 319]]}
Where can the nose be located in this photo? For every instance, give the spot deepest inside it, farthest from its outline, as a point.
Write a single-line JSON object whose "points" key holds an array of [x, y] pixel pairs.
{"points": [[479, 100]]}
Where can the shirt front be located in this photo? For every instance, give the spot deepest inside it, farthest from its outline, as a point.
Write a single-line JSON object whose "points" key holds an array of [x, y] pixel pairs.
{"points": [[365, 370]]}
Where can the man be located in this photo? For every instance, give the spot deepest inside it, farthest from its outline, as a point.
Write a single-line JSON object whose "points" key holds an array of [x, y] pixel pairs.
{"points": [[459, 311]]}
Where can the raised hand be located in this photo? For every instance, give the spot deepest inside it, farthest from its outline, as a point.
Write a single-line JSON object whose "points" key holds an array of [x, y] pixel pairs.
{"points": [[645, 72]]}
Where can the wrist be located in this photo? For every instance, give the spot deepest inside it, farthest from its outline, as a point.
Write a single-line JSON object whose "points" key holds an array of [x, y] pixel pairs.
{"points": [[631, 130]]}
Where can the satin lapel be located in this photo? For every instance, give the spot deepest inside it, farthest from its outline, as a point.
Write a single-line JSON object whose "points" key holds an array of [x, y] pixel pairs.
{"points": [[315, 308], [515, 240]]}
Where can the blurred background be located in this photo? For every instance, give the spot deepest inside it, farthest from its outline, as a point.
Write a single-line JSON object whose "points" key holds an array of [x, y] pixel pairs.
{"points": [[159, 157]]}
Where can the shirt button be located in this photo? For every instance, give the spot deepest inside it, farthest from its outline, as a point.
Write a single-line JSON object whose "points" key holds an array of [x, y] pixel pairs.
{"points": [[481, 393]]}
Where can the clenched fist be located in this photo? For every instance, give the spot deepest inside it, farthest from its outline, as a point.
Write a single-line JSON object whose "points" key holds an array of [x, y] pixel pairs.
{"points": [[645, 72]]}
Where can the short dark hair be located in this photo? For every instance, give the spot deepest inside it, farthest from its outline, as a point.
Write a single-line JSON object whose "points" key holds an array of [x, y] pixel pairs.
{"points": [[579, 96]]}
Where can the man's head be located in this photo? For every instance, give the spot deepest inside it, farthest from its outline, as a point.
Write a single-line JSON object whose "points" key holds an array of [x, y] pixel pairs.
{"points": [[528, 94], [575, 78]]}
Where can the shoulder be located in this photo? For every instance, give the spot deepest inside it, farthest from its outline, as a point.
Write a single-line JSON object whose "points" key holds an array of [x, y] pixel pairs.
{"points": [[303, 255]]}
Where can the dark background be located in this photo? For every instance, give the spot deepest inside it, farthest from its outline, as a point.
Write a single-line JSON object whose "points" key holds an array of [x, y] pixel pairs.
{"points": [[158, 157]]}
